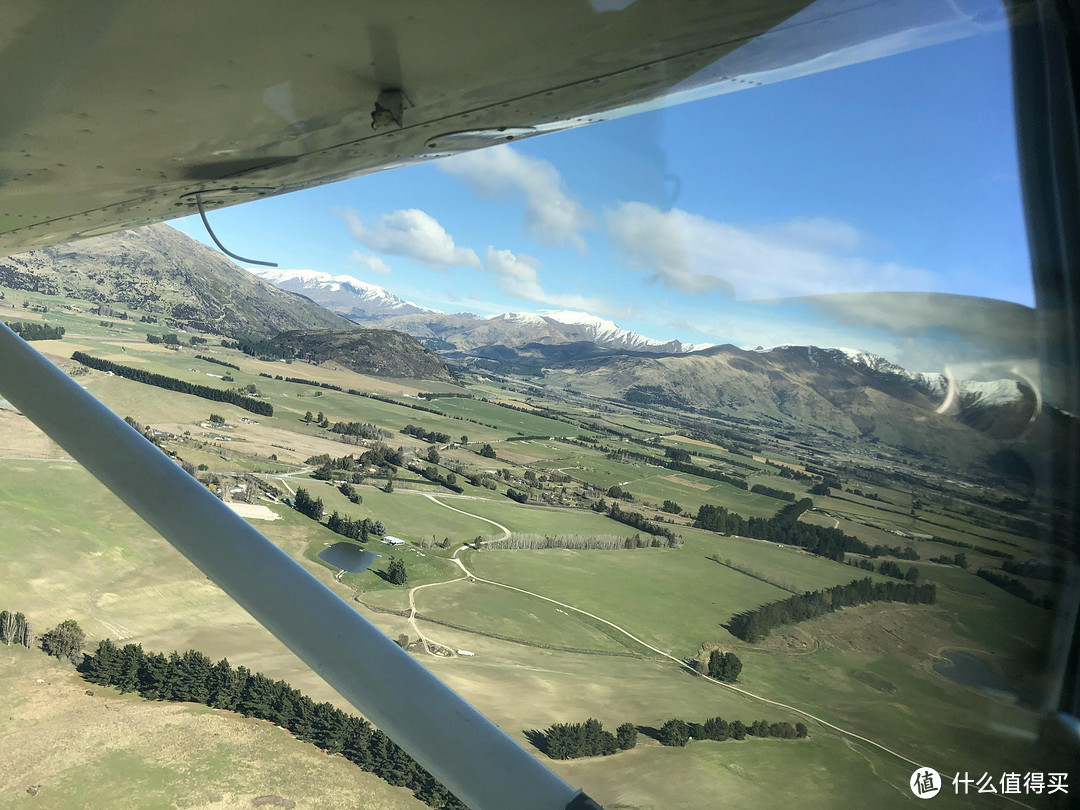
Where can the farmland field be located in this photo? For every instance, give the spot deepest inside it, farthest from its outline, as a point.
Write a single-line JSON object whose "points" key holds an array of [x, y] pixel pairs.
{"points": [[519, 647]]}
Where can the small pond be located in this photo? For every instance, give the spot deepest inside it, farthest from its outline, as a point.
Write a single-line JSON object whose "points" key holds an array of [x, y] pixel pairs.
{"points": [[970, 670], [348, 557]]}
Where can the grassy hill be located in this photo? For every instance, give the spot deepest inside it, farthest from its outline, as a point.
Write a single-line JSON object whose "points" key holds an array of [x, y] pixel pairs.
{"points": [[69, 743], [160, 270], [366, 351]]}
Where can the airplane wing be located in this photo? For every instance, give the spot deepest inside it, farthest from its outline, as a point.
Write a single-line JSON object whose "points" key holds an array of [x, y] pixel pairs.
{"points": [[118, 113]]}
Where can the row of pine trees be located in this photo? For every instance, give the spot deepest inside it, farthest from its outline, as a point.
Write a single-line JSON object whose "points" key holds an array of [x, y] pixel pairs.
{"points": [[173, 384], [192, 677], [588, 739], [755, 625], [678, 732]]}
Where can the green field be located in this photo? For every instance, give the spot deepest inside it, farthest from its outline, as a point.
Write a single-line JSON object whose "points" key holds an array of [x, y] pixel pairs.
{"points": [[541, 519], [525, 424], [487, 609], [648, 588], [72, 550]]}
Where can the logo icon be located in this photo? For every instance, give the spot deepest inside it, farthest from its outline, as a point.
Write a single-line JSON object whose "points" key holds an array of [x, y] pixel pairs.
{"points": [[925, 783]]}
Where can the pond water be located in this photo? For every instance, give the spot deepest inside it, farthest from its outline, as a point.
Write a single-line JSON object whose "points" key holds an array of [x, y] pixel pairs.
{"points": [[970, 670], [348, 557]]}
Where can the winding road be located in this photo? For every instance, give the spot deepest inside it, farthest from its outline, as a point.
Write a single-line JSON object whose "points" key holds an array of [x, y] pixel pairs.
{"points": [[412, 593], [843, 731]]}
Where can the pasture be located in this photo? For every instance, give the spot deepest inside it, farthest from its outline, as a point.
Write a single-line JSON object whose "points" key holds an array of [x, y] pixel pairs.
{"points": [[72, 550], [105, 749]]}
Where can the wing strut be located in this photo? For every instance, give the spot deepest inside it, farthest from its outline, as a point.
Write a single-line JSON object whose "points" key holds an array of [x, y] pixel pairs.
{"points": [[484, 767]]}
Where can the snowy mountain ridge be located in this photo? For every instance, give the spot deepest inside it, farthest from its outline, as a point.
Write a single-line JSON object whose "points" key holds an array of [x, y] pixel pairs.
{"points": [[343, 294], [599, 330], [979, 393]]}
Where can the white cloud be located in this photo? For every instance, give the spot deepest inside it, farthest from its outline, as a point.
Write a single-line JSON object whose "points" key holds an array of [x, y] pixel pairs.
{"points": [[516, 276], [373, 263], [507, 265], [693, 254], [552, 216], [414, 234]]}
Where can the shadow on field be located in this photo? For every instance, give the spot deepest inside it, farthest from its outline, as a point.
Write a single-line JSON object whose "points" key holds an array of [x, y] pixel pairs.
{"points": [[650, 732], [735, 622], [538, 739], [385, 577]]}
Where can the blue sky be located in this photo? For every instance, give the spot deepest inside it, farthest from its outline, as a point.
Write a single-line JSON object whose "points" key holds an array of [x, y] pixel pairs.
{"points": [[891, 175]]}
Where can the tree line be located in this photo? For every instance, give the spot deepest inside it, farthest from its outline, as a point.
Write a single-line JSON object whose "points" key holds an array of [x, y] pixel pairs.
{"points": [[702, 472], [172, 384], [349, 491], [888, 568], [779, 494], [192, 677], [378, 455], [604, 542], [755, 625], [676, 732], [637, 521], [959, 560], [360, 429], [313, 383], [588, 739], [784, 471], [447, 395], [1015, 587], [429, 436], [784, 527], [214, 360], [36, 331], [168, 340], [993, 552], [1051, 572], [431, 473]]}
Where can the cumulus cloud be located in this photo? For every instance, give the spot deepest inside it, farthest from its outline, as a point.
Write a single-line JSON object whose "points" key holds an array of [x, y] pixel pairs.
{"points": [[552, 216], [414, 234], [694, 254], [515, 275], [373, 263]]}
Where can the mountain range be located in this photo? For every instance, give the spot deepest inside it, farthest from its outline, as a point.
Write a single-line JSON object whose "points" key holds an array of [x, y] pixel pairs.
{"points": [[847, 392], [366, 303]]}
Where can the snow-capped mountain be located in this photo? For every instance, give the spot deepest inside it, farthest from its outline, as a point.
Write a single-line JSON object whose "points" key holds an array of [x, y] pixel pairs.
{"points": [[363, 302], [967, 397], [342, 294], [966, 394], [975, 392], [874, 362], [576, 326]]}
